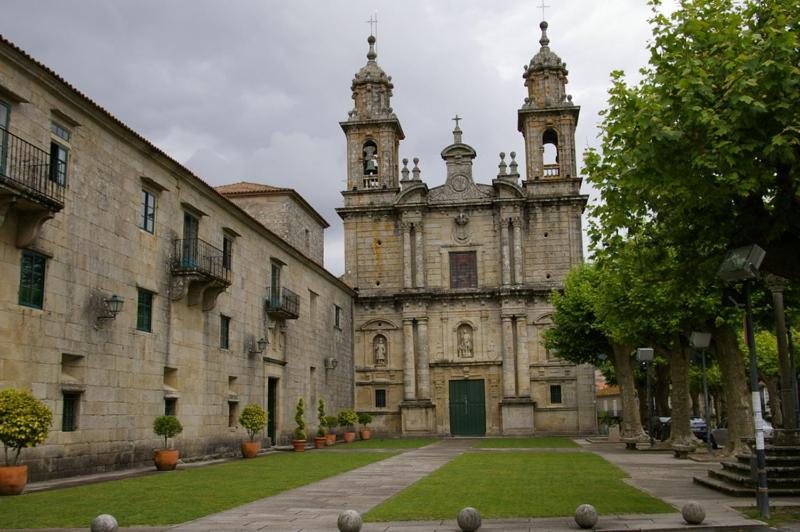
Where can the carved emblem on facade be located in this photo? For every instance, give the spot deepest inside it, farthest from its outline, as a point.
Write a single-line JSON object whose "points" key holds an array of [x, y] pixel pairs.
{"points": [[379, 350], [464, 335], [461, 232]]}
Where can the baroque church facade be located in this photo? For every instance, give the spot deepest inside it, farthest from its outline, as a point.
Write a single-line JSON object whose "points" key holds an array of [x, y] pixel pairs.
{"points": [[453, 282]]}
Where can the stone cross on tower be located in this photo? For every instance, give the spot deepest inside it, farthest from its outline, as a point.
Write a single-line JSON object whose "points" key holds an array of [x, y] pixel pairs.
{"points": [[457, 130], [543, 7], [373, 24]]}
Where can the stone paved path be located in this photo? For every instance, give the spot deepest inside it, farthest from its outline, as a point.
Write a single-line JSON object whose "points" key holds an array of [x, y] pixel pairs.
{"points": [[316, 506]]}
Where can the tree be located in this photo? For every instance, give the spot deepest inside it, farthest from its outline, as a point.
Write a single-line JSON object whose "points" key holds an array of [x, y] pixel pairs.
{"points": [[24, 422]]}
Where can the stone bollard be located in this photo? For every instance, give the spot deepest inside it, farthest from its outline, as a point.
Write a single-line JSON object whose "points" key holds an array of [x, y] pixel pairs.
{"points": [[104, 523], [469, 519], [586, 516], [349, 521], [693, 513]]}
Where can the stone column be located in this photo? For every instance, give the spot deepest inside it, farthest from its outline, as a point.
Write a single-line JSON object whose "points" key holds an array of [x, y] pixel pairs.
{"points": [[509, 377], [504, 252], [406, 255], [409, 376], [423, 368], [419, 281], [777, 285], [523, 362], [518, 258]]}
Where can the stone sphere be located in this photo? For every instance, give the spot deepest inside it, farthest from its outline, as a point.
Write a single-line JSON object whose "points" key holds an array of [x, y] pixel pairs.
{"points": [[104, 523], [693, 513], [349, 521], [586, 516], [469, 519]]}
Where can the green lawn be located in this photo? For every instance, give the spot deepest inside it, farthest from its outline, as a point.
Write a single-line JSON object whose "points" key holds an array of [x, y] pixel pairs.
{"points": [[518, 485], [545, 442], [388, 443], [778, 515], [175, 497]]}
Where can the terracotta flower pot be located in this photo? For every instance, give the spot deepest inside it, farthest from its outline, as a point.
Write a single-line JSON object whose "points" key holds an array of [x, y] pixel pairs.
{"points": [[250, 449], [299, 445], [330, 439], [366, 434], [13, 479], [165, 459], [320, 442], [349, 437]]}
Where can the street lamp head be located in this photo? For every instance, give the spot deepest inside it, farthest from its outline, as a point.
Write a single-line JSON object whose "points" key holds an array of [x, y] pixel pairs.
{"points": [[700, 340], [644, 354], [741, 264], [262, 344]]}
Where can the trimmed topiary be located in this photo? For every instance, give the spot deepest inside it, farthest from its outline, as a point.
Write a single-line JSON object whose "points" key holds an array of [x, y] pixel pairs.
{"points": [[321, 418], [168, 427], [24, 422], [253, 418], [348, 418], [300, 431]]}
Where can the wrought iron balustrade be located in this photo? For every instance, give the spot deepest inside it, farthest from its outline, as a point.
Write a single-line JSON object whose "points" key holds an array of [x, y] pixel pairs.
{"points": [[282, 303], [195, 256], [27, 168]]}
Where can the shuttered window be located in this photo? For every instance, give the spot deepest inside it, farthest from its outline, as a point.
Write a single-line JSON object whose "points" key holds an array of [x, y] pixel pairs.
{"points": [[463, 269], [31, 279]]}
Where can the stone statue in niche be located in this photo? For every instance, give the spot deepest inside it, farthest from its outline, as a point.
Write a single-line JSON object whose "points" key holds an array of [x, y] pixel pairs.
{"points": [[379, 350], [464, 341]]}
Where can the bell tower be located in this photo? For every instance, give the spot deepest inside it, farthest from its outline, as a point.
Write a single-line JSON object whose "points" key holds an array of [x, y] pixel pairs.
{"points": [[373, 131], [548, 117]]}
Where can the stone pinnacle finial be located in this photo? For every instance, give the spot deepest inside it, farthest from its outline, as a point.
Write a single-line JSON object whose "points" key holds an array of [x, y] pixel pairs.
{"points": [[415, 171], [501, 168], [513, 166], [371, 55], [544, 41], [404, 171]]}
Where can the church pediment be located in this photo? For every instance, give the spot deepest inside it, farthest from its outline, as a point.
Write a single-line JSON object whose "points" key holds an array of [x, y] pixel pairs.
{"points": [[458, 187]]}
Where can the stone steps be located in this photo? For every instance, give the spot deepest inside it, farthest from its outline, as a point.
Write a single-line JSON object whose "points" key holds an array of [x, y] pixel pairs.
{"points": [[736, 490], [747, 481], [773, 471]]}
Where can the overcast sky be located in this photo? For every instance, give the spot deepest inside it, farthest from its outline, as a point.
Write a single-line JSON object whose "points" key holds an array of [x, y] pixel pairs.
{"points": [[255, 90]]}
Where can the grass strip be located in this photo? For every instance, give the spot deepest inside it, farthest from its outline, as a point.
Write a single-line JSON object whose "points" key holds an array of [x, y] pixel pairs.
{"points": [[544, 442], [177, 496]]}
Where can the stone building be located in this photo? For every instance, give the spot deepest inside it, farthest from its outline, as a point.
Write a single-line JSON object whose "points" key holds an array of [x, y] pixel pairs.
{"points": [[453, 282], [217, 310]]}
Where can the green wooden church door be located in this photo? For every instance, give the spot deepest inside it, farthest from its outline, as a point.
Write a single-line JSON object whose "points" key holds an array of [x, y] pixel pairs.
{"points": [[467, 408]]}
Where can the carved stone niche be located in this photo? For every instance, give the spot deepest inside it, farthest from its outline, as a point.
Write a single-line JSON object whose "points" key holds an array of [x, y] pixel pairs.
{"points": [[465, 341], [380, 350], [377, 337]]}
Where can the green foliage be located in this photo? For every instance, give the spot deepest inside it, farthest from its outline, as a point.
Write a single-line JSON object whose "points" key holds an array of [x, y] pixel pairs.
{"points": [[348, 418], [162, 500], [321, 418], [300, 431], [331, 422], [364, 419], [539, 442], [168, 427], [253, 418], [24, 422]]}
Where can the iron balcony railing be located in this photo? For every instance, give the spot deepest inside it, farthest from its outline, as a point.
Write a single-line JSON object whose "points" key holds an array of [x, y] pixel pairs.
{"points": [[195, 256], [282, 303], [27, 168]]}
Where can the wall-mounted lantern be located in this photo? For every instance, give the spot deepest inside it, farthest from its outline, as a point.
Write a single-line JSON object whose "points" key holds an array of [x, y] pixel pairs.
{"points": [[258, 347], [113, 307]]}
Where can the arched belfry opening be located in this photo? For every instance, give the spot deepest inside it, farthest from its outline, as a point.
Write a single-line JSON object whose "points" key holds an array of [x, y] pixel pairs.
{"points": [[369, 158], [550, 153]]}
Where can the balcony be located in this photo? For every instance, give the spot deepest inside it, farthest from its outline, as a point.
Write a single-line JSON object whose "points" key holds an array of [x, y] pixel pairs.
{"points": [[283, 304], [551, 171], [370, 181], [199, 272], [29, 186]]}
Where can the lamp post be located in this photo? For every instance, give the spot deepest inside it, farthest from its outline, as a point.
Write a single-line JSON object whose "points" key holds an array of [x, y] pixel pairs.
{"points": [[645, 354], [700, 341], [742, 264]]}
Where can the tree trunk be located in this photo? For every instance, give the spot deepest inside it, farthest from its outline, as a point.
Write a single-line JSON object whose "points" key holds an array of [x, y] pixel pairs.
{"points": [[697, 403], [680, 432], [641, 393], [662, 392], [631, 422], [774, 399], [735, 388]]}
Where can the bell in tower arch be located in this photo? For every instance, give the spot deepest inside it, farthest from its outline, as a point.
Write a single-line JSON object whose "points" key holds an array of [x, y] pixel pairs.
{"points": [[370, 157]]}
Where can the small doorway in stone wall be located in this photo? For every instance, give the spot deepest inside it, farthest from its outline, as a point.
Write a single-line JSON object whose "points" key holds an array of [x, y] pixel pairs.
{"points": [[467, 408], [272, 410]]}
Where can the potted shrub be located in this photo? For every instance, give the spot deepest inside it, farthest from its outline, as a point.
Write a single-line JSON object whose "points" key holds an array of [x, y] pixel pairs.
{"points": [[348, 419], [299, 441], [364, 419], [331, 422], [167, 426], [319, 441], [24, 422], [253, 418]]}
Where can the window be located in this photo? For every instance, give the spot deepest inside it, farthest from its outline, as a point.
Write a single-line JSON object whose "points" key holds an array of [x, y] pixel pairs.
{"points": [[31, 279], [170, 406], [58, 163], [147, 217], [227, 252], [144, 311], [69, 415], [463, 269], [60, 131], [224, 332], [337, 316], [380, 398], [5, 111], [555, 394], [233, 413]]}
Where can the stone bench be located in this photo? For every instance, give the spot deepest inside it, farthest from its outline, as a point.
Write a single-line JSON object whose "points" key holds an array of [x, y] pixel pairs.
{"points": [[682, 451], [630, 443]]}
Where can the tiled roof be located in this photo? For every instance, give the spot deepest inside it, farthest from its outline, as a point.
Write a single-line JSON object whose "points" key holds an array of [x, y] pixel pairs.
{"points": [[246, 187], [608, 391]]}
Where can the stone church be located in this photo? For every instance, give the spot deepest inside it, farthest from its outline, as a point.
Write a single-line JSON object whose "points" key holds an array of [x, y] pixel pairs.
{"points": [[453, 282]]}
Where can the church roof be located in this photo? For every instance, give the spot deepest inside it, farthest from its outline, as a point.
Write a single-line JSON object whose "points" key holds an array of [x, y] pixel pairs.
{"points": [[372, 72], [248, 188]]}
